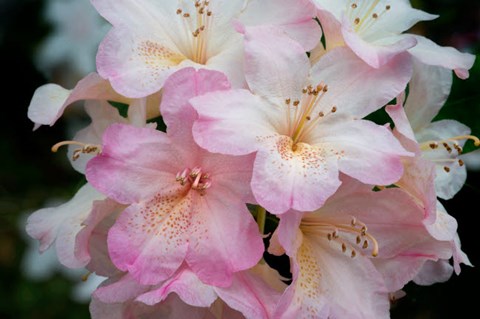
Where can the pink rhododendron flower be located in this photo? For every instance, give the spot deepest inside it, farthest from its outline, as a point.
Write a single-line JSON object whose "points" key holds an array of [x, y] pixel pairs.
{"points": [[184, 203], [440, 142], [305, 124], [151, 39], [373, 29], [348, 256], [185, 296]]}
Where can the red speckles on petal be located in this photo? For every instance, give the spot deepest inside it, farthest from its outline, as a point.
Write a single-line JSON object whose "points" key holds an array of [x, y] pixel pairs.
{"points": [[156, 56]]}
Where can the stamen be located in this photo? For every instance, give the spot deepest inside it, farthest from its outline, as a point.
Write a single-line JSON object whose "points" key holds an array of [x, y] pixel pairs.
{"points": [[84, 149], [198, 181], [313, 225]]}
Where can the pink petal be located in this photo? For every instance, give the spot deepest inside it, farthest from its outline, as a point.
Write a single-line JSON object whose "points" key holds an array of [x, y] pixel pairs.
{"points": [[350, 81], [234, 132], [294, 17], [101, 211], [136, 65], [186, 285], [49, 101], [428, 52], [367, 152], [433, 272], [102, 115], [269, 54], [250, 295], [377, 54], [219, 220], [179, 88], [62, 224], [402, 125], [119, 289], [142, 156], [329, 283], [429, 89], [149, 240], [284, 179]]}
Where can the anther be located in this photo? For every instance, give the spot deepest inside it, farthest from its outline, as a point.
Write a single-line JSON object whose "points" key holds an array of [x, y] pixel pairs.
{"points": [[344, 247], [365, 244], [179, 11], [296, 103], [353, 254], [308, 118], [186, 15], [374, 15], [388, 7], [460, 162], [356, 21], [321, 114], [433, 145], [325, 88], [329, 236], [446, 169], [354, 5], [334, 109], [359, 240], [287, 101]]}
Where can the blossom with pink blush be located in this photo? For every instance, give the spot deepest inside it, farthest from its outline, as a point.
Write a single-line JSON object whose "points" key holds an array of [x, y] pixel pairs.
{"points": [[150, 40], [373, 29], [349, 256], [440, 142], [305, 126], [184, 203], [249, 296]]}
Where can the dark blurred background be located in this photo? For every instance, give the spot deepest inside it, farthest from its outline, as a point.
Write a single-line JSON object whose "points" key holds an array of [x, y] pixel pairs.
{"points": [[32, 177]]}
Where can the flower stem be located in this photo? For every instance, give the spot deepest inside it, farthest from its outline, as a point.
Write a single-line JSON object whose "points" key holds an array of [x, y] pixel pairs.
{"points": [[261, 216]]}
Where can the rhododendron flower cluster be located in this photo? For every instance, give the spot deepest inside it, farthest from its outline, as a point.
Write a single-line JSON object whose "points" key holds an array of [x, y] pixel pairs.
{"points": [[241, 111]]}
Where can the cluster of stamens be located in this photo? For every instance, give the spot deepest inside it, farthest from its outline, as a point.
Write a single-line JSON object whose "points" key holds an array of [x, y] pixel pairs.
{"points": [[198, 180], [197, 26], [451, 146], [363, 13], [363, 239], [302, 115], [84, 149]]}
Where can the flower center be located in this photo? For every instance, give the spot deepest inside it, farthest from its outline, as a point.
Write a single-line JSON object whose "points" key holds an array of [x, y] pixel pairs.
{"points": [[197, 26], [351, 236], [363, 14], [83, 149], [451, 146], [302, 114], [197, 179]]}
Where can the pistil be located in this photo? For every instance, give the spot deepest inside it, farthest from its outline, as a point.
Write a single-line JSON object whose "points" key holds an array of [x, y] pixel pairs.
{"points": [[84, 149]]}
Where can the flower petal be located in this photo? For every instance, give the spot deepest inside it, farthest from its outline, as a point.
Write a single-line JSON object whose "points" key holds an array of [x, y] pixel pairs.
{"points": [[350, 81], [219, 220], [50, 100], [137, 65], [142, 156], [186, 285], [231, 121], [430, 53], [62, 224], [270, 54], [179, 88], [292, 16], [428, 90], [284, 179], [367, 152], [149, 240]]}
